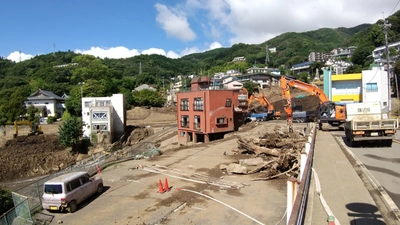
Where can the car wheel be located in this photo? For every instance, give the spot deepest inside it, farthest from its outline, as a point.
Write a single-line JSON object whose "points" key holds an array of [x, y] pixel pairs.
{"points": [[72, 207], [99, 188]]}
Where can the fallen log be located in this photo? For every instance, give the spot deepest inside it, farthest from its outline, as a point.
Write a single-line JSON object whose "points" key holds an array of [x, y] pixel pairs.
{"points": [[259, 168], [249, 147]]}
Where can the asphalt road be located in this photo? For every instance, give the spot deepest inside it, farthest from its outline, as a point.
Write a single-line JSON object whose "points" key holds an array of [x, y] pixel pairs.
{"points": [[382, 162]]}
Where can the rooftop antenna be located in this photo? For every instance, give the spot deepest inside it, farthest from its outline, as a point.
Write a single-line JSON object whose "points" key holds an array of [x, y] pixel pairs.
{"points": [[140, 67], [266, 56], [20, 56], [54, 47]]}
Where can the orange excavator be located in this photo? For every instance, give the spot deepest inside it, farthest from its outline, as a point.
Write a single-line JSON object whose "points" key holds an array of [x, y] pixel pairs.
{"points": [[263, 100], [287, 103], [328, 113]]}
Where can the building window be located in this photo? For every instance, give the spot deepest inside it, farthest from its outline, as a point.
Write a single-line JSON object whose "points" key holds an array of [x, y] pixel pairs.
{"points": [[185, 104], [99, 116], [242, 103], [87, 104], [228, 102], [185, 121], [197, 122], [371, 87], [198, 104], [99, 127], [221, 120], [103, 103]]}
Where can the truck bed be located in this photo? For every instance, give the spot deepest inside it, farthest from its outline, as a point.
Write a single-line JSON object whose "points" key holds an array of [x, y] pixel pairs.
{"points": [[372, 124]]}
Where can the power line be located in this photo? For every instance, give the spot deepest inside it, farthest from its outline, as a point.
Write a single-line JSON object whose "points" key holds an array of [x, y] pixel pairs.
{"points": [[394, 8]]}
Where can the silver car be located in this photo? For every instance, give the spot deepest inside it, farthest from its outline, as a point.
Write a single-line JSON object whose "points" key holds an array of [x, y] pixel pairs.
{"points": [[68, 190]]}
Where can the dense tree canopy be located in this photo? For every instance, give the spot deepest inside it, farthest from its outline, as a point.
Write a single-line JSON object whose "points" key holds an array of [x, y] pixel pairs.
{"points": [[65, 72]]}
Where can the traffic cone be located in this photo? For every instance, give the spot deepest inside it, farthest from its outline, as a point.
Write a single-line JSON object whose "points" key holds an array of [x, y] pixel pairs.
{"points": [[166, 188], [160, 187], [98, 168], [331, 220]]}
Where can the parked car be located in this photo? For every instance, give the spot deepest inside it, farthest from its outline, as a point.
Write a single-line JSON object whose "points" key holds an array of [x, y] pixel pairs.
{"points": [[68, 190]]}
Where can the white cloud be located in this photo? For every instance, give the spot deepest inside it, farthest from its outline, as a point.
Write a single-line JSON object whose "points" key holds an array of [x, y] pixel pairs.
{"points": [[172, 55], [157, 51], [123, 52], [18, 57], [256, 21], [113, 53], [215, 45], [174, 23], [191, 50]]}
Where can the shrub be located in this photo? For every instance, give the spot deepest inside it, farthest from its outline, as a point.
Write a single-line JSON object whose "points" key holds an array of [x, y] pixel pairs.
{"points": [[70, 131], [51, 119], [6, 202], [66, 115]]}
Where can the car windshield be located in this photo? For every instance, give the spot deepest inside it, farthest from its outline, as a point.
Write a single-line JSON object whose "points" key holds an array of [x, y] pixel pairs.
{"points": [[52, 188]]}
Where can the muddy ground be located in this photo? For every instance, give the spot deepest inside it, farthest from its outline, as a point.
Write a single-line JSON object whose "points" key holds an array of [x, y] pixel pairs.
{"points": [[33, 156], [26, 157]]}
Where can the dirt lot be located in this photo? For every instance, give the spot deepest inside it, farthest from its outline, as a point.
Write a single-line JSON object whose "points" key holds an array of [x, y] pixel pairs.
{"points": [[33, 156]]}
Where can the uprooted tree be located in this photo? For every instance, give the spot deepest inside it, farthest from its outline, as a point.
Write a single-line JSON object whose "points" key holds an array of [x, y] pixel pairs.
{"points": [[280, 152]]}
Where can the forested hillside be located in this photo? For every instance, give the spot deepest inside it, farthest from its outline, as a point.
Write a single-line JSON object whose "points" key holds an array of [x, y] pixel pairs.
{"points": [[62, 72]]}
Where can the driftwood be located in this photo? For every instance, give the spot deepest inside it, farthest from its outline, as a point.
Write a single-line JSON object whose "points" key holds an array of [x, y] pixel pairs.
{"points": [[295, 166], [249, 147], [261, 167]]}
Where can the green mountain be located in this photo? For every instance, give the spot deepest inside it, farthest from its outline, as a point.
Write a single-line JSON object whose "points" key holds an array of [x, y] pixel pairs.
{"points": [[61, 72]]}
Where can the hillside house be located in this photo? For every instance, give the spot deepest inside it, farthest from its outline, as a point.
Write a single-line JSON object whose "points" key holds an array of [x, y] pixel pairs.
{"points": [[48, 103]]}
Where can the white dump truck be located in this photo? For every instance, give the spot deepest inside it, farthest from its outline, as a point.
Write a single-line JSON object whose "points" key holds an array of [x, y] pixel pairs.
{"points": [[364, 122]]}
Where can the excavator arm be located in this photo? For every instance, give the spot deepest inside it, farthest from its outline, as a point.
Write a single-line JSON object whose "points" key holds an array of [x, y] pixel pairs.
{"points": [[325, 105], [307, 88], [287, 102], [35, 128], [263, 100]]}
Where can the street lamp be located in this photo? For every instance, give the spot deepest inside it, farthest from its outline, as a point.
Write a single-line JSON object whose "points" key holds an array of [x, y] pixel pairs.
{"points": [[81, 83]]}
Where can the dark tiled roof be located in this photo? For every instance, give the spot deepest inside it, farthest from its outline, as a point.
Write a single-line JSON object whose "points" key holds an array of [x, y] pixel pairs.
{"points": [[43, 94]]}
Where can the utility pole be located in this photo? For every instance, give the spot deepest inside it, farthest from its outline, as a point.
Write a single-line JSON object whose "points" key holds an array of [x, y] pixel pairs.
{"points": [[386, 25], [81, 83]]}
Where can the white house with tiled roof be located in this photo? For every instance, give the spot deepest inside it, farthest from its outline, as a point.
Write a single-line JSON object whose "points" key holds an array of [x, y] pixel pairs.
{"points": [[49, 103]]}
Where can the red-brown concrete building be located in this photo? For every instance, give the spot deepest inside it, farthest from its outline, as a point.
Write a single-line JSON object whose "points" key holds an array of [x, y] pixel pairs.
{"points": [[205, 114]]}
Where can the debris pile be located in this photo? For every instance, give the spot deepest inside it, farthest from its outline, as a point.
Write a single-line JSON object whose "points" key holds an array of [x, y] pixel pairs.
{"points": [[273, 154]]}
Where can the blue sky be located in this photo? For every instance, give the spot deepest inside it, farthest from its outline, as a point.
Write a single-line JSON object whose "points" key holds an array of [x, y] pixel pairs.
{"points": [[174, 28]]}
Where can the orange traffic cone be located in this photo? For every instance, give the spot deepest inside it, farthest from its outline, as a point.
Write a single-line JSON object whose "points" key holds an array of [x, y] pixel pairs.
{"points": [[160, 187], [166, 188], [98, 168]]}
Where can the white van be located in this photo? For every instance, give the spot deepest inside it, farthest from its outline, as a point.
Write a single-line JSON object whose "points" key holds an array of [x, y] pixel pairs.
{"points": [[68, 190]]}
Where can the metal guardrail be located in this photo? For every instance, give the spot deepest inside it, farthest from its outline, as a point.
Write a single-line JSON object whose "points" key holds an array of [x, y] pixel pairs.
{"points": [[298, 209]]}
